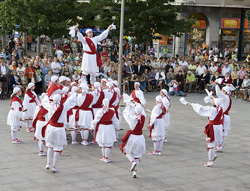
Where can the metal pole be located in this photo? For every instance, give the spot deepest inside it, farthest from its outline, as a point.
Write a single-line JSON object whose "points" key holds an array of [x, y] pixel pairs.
{"points": [[121, 43]]}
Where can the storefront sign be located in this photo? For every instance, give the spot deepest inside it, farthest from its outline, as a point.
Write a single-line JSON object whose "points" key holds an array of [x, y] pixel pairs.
{"points": [[229, 38], [246, 25], [201, 24], [229, 23], [163, 41]]}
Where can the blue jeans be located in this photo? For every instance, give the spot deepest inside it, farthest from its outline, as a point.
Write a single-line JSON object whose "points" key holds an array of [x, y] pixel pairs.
{"points": [[176, 93], [143, 86]]}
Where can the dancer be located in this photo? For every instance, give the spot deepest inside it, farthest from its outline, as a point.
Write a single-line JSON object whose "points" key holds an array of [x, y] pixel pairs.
{"points": [[84, 114], [40, 120], [138, 95], [53, 88], [133, 145], [29, 105], [15, 117], [166, 103], [91, 61], [156, 126], [213, 130], [104, 124], [117, 108], [226, 103], [98, 95], [54, 132]]}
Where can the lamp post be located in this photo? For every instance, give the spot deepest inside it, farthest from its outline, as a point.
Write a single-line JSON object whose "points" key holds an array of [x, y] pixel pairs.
{"points": [[121, 44]]}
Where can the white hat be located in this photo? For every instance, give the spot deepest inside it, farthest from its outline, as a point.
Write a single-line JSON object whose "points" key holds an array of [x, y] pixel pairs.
{"points": [[165, 92], [42, 96], [137, 83], [73, 84], [104, 80], [109, 84], [116, 83], [138, 109], [217, 101], [30, 85], [73, 89], [62, 78], [158, 98], [16, 89], [105, 102], [189, 72], [68, 79], [56, 98], [65, 89], [126, 98], [54, 78], [228, 89], [97, 84], [88, 30], [219, 80]]}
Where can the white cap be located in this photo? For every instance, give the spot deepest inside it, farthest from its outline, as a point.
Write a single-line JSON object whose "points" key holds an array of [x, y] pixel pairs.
{"points": [[217, 101], [158, 98], [137, 83], [30, 85], [54, 78], [109, 84], [165, 92], [73, 84], [65, 89], [16, 89], [68, 79], [56, 98], [138, 109], [97, 85], [88, 30], [126, 98], [116, 83], [73, 89], [62, 78], [104, 80], [105, 102]]}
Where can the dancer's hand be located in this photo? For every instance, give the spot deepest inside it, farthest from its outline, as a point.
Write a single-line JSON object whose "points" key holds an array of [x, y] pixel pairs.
{"points": [[77, 30], [110, 27], [78, 90], [24, 110], [148, 126]]}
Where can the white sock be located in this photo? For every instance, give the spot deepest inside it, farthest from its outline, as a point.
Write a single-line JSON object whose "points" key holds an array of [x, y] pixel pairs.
{"points": [[223, 141], [41, 145], [137, 161], [117, 134], [85, 135], [107, 153], [166, 132], [14, 135], [56, 157], [93, 133], [83, 81], [130, 157], [73, 135], [49, 155], [82, 133], [160, 145], [210, 154], [29, 124], [92, 78], [103, 151], [155, 145]]}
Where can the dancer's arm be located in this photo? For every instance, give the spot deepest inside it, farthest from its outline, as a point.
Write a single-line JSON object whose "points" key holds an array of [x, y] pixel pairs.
{"points": [[104, 34], [80, 36]]}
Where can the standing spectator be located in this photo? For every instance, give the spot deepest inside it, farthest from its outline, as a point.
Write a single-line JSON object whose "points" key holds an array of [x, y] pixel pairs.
{"points": [[74, 48], [30, 73], [126, 49], [226, 69], [237, 84], [66, 71], [29, 42], [20, 68], [56, 67], [4, 73], [59, 53], [61, 62], [47, 78], [11, 45], [24, 81], [190, 82], [20, 51], [15, 80], [204, 80]]}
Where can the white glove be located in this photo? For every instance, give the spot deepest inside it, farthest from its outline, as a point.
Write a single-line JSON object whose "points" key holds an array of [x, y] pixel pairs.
{"points": [[183, 101], [219, 80], [72, 31], [113, 26], [208, 100]]}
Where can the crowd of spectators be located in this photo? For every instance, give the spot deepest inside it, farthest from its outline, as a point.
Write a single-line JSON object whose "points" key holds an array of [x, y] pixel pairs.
{"points": [[180, 76]]}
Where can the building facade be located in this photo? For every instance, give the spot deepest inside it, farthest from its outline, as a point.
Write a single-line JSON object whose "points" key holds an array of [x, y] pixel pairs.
{"points": [[218, 23]]}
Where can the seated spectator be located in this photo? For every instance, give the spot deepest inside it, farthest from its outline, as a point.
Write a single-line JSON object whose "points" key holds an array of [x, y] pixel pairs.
{"points": [[151, 82], [129, 69], [180, 79], [24, 81], [234, 73], [192, 67], [200, 70], [226, 69], [237, 84], [134, 78], [20, 68], [76, 77], [15, 80], [212, 82], [107, 67], [190, 82], [66, 71], [226, 80], [177, 69], [245, 86], [204, 80], [160, 78], [142, 81], [170, 75], [173, 89]]}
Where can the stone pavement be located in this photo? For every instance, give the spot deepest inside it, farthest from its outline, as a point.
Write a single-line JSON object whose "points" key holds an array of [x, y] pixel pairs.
{"points": [[180, 167]]}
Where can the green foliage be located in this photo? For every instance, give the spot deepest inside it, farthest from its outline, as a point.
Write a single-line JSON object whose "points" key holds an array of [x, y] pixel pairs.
{"points": [[248, 15]]}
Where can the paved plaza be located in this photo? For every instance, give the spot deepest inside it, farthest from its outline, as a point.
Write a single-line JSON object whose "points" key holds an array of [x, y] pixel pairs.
{"points": [[180, 167]]}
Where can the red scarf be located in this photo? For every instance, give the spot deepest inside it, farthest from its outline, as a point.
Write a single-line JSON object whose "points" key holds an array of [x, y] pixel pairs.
{"points": [[15, 98], [229, 107], [31, 95], [85, 106], [137, 131], [52, 89], [40, 116], [159, 117], [98, 104], [209, 130], [93, 51], [135, 98]]}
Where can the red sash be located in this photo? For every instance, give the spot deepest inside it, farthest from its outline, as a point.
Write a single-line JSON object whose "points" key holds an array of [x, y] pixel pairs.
{"points": [[229, 107], [54, 120], [159, 117], [60, 86], [85, 106], [40, 116], [52, 89], [137, 131], [209, 130], [93, 51], [135, 98], [98, 104], [112, 100], [15, 98], [105, 120], [64, 98], [31, 95]]}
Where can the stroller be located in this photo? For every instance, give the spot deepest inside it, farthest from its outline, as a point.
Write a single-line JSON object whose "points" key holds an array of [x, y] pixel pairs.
{"points": [[5, 91]]}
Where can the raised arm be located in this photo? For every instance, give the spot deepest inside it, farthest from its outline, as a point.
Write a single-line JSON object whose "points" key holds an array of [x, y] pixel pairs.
{"points": [[80, 37], [204, 111], [98, 117], [102, 36]]}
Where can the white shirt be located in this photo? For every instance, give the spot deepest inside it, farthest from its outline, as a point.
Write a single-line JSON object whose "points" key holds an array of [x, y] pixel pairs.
{"points": [[55, 65], [183, 63], [3, 70], [213, 68], [226, 70], [200, 70], [59, 53], [20, 69]]}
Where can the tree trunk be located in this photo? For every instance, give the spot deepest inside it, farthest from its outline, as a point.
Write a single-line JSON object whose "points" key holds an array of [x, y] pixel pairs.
{"points": [[51, 46], [24, 43], [4, 40], [38, 45]]}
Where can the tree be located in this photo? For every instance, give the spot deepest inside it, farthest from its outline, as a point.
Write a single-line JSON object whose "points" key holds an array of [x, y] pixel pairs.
{"points": [[248, 15]]}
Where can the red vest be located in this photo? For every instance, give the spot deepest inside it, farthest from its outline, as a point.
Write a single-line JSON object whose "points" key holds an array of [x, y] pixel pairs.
{"points": [[134, 97], [52, 89], [137, 131], [31, 95], [15, 98], [85, 106], [98, 104]]}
